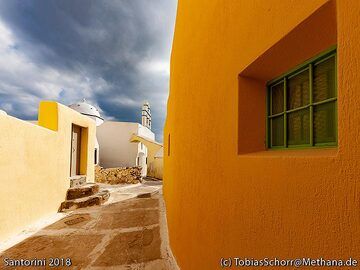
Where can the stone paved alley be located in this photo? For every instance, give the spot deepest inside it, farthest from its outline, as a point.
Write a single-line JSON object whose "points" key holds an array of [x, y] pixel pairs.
{"points": [[128, 232]]}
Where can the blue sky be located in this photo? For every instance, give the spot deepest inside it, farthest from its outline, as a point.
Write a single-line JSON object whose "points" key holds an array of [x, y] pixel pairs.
{"points": [[114, 53]]}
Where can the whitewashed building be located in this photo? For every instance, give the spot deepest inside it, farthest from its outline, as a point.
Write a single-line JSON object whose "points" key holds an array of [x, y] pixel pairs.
{"points": [[86, 109], [114, 146], [117, 150]]}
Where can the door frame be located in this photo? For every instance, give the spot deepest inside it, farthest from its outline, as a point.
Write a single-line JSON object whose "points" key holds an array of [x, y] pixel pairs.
{"points": [[81, 151]]}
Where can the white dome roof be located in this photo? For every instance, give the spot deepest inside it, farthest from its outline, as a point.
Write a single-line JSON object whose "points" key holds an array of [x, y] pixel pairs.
{"points": [[86, 109]]}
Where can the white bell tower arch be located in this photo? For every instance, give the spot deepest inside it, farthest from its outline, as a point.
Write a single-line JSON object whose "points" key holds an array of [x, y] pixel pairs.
{"points": [[146, 115]]}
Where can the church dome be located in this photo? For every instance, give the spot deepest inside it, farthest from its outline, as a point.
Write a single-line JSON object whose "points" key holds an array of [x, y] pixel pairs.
{"points": [[87, 109]]}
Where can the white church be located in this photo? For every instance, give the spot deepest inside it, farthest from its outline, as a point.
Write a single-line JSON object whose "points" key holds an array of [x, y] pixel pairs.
{"points": [[113, 147]]}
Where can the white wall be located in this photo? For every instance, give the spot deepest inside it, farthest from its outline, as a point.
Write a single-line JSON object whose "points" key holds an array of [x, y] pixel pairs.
{"points": [[116, 150], [115, 147], [144, 131]]}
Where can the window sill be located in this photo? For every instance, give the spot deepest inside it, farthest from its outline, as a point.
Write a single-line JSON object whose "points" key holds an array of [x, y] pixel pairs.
{"points": [[288, 152]]}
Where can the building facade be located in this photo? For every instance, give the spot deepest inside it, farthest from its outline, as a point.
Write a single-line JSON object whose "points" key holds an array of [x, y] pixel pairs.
{"points": [[261, 137], [154, 155], [116, 148], [93, 113], [37, 162]]}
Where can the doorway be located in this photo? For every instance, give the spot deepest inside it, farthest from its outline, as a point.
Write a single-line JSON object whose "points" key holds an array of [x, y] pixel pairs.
{"points": [[75, 150], [142, 163]]}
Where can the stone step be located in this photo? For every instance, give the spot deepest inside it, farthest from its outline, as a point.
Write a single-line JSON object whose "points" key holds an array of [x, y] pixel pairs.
{"points": [[150, 178], [96, 199], [82, 191], [77, 181], [147, 194]]}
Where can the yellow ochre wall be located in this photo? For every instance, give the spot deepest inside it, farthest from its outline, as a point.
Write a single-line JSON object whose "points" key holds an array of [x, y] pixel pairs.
{"points": [[35, 164], [226, 195]]}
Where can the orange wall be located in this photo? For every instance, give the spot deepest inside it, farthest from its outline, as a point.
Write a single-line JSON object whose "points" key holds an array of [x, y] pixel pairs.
{"points": [[225, 194]]}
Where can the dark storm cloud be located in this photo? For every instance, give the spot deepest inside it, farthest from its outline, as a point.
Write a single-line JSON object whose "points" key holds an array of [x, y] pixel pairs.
{"points": [[114, 53]]}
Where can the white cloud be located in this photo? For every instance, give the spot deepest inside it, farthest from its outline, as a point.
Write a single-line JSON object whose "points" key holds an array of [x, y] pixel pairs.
{"points": [[160, 67], [28, 83], [113, 53], [125, 101]]}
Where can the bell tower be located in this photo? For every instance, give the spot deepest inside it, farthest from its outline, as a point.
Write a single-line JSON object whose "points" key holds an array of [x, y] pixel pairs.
{"points": [[146, 115]]}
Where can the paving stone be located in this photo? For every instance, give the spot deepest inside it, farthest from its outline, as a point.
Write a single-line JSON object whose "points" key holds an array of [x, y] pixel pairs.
{"points": [[144, 195], [128, 219], [75, 247], [162, 264], [72, 221], [132, 247], [132, 204], [122, 235]]}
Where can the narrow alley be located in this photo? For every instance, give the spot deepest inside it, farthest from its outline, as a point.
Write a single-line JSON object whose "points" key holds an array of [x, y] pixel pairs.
{"points": [[127, 232]]}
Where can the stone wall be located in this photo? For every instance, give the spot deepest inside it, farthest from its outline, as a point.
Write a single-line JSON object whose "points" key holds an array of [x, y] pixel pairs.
{"points": [[113, 176]]}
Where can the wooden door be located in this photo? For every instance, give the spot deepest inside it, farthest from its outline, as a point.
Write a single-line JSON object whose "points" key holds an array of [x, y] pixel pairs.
{"points": [[75, 150]]}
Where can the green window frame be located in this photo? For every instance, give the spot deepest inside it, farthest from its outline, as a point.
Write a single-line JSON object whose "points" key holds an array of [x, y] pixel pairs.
{"points": [[302, 105]]}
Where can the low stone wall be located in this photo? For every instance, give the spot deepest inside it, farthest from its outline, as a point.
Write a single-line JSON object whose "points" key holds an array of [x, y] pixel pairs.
{"points": [[114, 176]]}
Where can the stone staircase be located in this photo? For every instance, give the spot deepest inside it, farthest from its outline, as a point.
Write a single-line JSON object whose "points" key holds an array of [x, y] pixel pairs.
{"points": [[77, 181], [84, 195]]}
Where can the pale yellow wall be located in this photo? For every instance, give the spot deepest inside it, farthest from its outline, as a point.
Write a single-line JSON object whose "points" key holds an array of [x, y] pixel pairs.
{"points": [[155, 165], [35, 164], [158, 168]]}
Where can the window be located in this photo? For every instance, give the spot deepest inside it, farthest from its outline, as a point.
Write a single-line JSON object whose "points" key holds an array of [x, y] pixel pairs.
{"points": [[302, 105], [168, 146]]}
